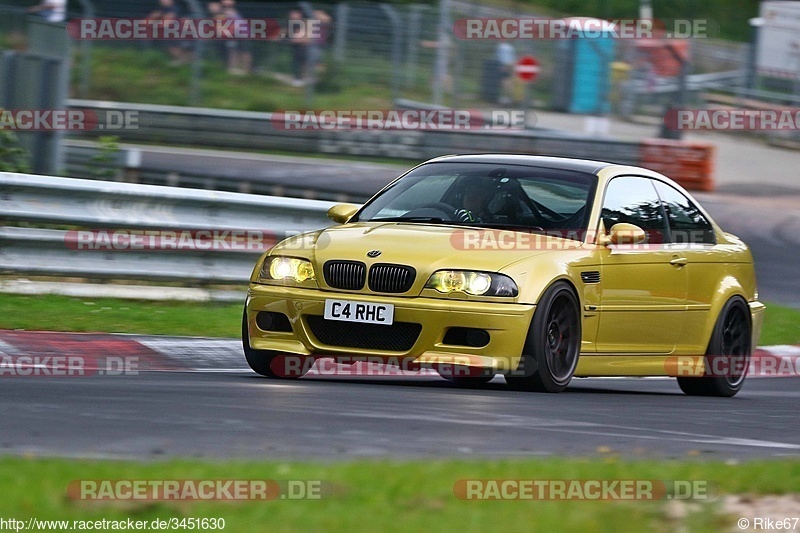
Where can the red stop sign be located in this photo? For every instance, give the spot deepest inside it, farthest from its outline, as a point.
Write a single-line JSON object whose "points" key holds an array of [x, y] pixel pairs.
{"points": [[527, 68]]}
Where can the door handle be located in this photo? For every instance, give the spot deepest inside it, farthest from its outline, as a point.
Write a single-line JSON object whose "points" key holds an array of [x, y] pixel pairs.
{"points": [[679, 261]]}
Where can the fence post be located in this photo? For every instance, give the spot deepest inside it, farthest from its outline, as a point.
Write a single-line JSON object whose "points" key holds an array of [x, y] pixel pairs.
{"points": [[197, 60], [442, 51], [412, 46], [340, 32], [86, 52], [46, 156], [8, 72], [458, 71], [312, 55], [752, 56], [394, 20]]}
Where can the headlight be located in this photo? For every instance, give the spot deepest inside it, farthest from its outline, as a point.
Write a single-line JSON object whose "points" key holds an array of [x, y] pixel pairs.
{"points": [[474, 283], [287, 268]]}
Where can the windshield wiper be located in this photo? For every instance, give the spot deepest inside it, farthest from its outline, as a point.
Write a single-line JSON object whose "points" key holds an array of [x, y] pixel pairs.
{"points": [[512, 227], [407, 219]]}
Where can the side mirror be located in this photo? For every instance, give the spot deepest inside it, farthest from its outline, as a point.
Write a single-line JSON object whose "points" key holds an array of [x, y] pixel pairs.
{"points": [[341, 213], [623, 233]]}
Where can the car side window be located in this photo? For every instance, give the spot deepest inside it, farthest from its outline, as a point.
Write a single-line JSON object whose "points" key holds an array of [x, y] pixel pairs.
{"points": [[633, 200], [687, 225]]}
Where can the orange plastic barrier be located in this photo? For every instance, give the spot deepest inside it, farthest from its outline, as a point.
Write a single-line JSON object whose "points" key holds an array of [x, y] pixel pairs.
{"points": [[691, 164], [657, 53]]}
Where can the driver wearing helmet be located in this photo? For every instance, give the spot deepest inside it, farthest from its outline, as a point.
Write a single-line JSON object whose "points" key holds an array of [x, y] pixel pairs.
{"points": [[474, 204]]}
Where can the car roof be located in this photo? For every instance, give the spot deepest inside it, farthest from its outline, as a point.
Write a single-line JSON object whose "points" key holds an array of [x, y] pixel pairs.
{"points": [[561, 163]]}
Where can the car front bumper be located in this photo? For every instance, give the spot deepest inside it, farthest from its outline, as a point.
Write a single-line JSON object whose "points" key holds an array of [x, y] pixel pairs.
{"points": [[506, 323]]}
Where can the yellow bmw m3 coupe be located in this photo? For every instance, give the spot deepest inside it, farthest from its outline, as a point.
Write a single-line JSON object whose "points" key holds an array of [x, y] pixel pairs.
{"points": [[537, 268]]}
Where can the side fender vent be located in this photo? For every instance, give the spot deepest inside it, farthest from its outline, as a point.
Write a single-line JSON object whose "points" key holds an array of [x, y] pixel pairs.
{"points": [[590, 276]]}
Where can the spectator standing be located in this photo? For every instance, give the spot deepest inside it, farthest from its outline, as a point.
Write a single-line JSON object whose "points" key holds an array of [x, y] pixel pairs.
{"points": [[318, 42], [167, 10], [240, 53], [506, 58], [297, 34], [215, 13]]}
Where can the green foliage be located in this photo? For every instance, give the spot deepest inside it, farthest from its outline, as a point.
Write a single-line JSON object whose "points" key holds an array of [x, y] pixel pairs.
{"points": [[128, 75], [12, 157], [104, 162], [329, 81]]}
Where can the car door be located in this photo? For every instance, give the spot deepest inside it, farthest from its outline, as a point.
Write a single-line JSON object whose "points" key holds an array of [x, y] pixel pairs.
{"points": [[642, 287], [692, 237]]}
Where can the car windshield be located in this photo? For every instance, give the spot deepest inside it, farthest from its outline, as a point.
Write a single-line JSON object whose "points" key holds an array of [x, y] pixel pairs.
{"points": [[486, 195]]}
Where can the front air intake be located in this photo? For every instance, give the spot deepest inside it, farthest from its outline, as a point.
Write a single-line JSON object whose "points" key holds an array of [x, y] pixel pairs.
{"points": [[391, 278], [346, 275]]}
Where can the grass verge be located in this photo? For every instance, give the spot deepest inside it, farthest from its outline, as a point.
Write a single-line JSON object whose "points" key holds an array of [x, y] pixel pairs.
{"points": [[215, 319], [62, 313], [781, 326], [386, 496]]}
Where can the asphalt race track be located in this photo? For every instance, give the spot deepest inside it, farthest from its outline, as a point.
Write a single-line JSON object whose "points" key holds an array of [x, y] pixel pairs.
{"points": [[239, 414]]}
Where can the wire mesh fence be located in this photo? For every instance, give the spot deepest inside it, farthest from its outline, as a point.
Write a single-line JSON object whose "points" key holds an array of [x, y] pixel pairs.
{"points": [[369, 56]]}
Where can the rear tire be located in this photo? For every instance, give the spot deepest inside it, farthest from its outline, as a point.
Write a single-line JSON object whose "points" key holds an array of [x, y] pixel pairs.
{"points": [[732, 340], [266, 362], [553, 345]]}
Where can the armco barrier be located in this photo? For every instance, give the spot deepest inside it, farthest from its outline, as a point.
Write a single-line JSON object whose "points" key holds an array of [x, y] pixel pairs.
{"points": [[100, 205], [247, 130]]}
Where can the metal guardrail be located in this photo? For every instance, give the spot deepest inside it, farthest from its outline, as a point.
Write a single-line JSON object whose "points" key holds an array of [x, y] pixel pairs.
{"points": [[694, 83], [256, 131], [41, 200], [130, 165], [44, 252], [191, 126], [55, 200]]}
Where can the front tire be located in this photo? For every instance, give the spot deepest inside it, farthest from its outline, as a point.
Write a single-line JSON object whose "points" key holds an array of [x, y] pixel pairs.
{"points": [[266, 362], [732, 341], [553, 345]]}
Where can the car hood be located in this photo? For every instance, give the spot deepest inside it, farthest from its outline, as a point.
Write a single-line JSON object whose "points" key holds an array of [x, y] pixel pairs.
{"points": [[426, 247]]}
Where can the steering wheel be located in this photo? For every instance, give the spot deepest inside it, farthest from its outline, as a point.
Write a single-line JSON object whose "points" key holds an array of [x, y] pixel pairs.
{"points": [[438, 208], [566, 222]]}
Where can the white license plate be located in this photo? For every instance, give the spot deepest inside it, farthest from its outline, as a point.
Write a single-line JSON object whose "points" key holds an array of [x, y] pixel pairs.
{"points": [[361, 312]]}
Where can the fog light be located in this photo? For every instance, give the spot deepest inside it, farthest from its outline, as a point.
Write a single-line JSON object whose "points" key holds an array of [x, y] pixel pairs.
{"points": [[268, 321]]}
